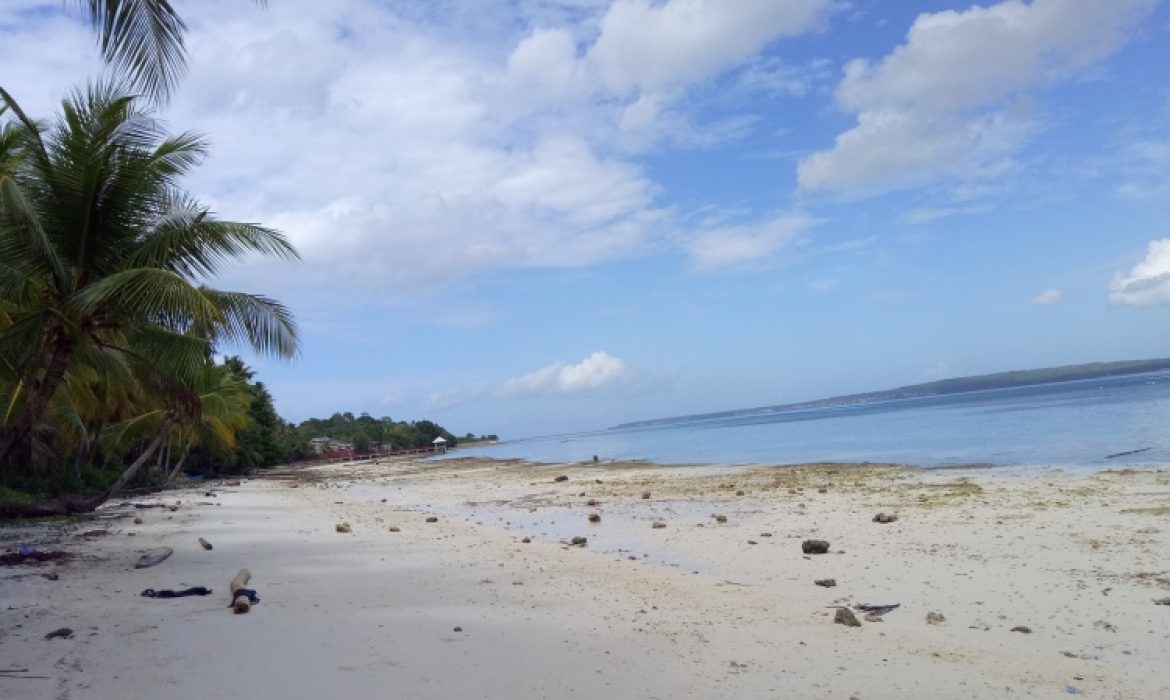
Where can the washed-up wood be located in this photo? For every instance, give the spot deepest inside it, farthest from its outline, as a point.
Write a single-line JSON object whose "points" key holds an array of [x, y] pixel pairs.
{"points": [[204, 543], [153, 557], [240, 604]]}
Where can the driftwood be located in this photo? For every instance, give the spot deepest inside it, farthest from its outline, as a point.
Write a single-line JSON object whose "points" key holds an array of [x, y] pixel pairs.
{"points": [[240, 603], [204, 543], [153, 557]]}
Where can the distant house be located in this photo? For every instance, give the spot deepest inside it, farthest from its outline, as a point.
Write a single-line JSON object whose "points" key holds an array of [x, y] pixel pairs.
{"points": [[320, 444], [440, 444]]}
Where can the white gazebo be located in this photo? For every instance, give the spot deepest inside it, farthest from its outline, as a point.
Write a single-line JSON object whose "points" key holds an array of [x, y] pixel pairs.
{"points": [[440, 444]]}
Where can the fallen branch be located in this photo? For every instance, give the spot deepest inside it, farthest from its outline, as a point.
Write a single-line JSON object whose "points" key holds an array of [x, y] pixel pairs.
{"points": [[242, 598]]}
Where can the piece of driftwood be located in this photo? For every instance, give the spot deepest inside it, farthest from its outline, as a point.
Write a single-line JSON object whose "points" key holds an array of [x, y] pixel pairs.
{"points": [[152, 557], [204, 543], [240, 603]]}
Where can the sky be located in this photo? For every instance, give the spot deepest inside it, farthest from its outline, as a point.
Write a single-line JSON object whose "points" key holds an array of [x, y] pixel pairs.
{"points": [[528, 217]]}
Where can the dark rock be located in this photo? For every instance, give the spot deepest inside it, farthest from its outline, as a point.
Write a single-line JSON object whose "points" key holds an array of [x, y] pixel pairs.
{"points": [[720, 518], [591, 502], [562, 477], [815, 546], [526, 540], [394, 528], [61, 633], [658, 525], [579, 541], [885, 518], [645, 495], [432, 519], [458, 629], [1022, 628], [826, 582], [845, 616], [594, 517], [343, 528]]}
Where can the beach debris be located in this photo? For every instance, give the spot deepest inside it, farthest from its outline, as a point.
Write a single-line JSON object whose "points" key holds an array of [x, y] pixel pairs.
{"points": [[645, 495], [815, 546], [826, 582], [383, 500], [591, 502], [60, 633], [845, 616], [1128, 452], [752, 542], [765, 534], [736, 664], [153, 557], [658, 525], [885, 518], [579, 541], [167, 593], [1023, 629], [1162, 601], [343, 528], [138, 520], [935, 618], [90, 534], [458, 629], [242, 598], [526, 540], [205, 544], [739, 493], [1072, 689], [562, 477], [394, 528], [877, 609], [720, 518], [873, 618], [595, 517], [1103, 625], [432, 519], [26, 554], [822, 490]]}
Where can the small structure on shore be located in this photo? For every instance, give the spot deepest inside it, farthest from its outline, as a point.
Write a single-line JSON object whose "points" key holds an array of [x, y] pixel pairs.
{"points": [[440, 444]]}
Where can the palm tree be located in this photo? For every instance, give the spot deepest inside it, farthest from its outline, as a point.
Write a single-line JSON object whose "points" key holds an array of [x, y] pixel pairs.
{"points": [[142, 40], [103, 259]]}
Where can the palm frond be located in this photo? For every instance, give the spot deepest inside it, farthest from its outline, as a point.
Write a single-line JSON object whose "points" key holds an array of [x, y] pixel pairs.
{"points": [[142, 39], [263, 324]]}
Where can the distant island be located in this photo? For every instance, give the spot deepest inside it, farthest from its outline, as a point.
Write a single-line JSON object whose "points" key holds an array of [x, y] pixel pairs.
{"points": [[942, 387]]}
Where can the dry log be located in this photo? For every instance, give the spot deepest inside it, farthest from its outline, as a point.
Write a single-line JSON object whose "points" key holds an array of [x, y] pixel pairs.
{"points": [[241, 604], [151, 557]]}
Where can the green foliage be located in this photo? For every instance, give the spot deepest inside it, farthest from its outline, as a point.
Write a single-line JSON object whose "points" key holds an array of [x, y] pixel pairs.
{"points": [[374, 432]]}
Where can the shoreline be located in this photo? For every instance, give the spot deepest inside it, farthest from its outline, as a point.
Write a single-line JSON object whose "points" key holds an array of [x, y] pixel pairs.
{"points": [[695, 609]]}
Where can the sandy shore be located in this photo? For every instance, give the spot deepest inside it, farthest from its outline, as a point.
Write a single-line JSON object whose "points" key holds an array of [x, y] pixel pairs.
{"points": [[464, 608]]}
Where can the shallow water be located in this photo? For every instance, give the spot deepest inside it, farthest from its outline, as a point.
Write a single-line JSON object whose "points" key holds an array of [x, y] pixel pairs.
{"points": [[1068, 424]]}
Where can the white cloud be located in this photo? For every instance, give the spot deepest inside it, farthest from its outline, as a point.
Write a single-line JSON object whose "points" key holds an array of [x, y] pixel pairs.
{"points": [[1048, 297], [1148, 283], [598, 371], [726, 246], [442, 400], [947, 102]]}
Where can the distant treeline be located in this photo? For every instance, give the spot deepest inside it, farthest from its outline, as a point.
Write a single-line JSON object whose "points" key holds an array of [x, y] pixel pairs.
{"points": [[364, 433], [957, 385]]}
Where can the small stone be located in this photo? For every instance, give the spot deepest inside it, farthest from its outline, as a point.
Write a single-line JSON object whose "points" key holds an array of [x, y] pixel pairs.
{"points": [[645, 495], [594, 517], [394, 528], [138, 520], [579, 541], [826, 582], [815, 546], [60, 633], [765, 534], [885, 518], [658, 525], [1162, 601], [1024, 629], [935, 618], [720, 518], [562, 477], [752, 542], [383, 500], [739, 493], [822, 490], [432, 519], [526, 540], [344, 528], [458, 629], [592, 502], [846, 617]]}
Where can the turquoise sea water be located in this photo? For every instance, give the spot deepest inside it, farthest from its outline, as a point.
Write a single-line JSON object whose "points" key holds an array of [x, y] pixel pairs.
{"points": [[1068, 424]]}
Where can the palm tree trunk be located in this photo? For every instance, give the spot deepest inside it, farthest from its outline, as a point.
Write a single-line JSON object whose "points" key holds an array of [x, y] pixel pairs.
{"points": [[39, 395], [178, 467], [132, 470]]}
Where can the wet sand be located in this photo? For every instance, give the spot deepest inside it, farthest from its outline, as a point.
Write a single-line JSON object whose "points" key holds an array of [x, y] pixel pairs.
{"points": [[697, 608]]}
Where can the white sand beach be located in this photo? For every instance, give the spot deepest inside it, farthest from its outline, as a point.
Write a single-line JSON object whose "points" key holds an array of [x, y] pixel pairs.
{"points": [[464, 608]]}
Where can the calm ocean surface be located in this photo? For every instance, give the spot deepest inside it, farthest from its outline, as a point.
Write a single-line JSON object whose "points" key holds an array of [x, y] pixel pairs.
{"points": [[1069, 424]]}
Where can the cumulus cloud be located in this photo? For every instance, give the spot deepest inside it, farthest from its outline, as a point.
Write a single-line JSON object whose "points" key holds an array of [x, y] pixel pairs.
{"points": [[1048, 297], [947, 102], [727, 246], [1148, 283], [598, 371]]}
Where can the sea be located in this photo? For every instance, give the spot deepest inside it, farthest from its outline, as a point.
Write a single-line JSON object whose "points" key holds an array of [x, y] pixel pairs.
{"points": [[1092, 423]]}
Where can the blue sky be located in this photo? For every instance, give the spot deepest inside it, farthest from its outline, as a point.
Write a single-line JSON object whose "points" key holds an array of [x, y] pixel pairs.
{"points": [[545, 216]]}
